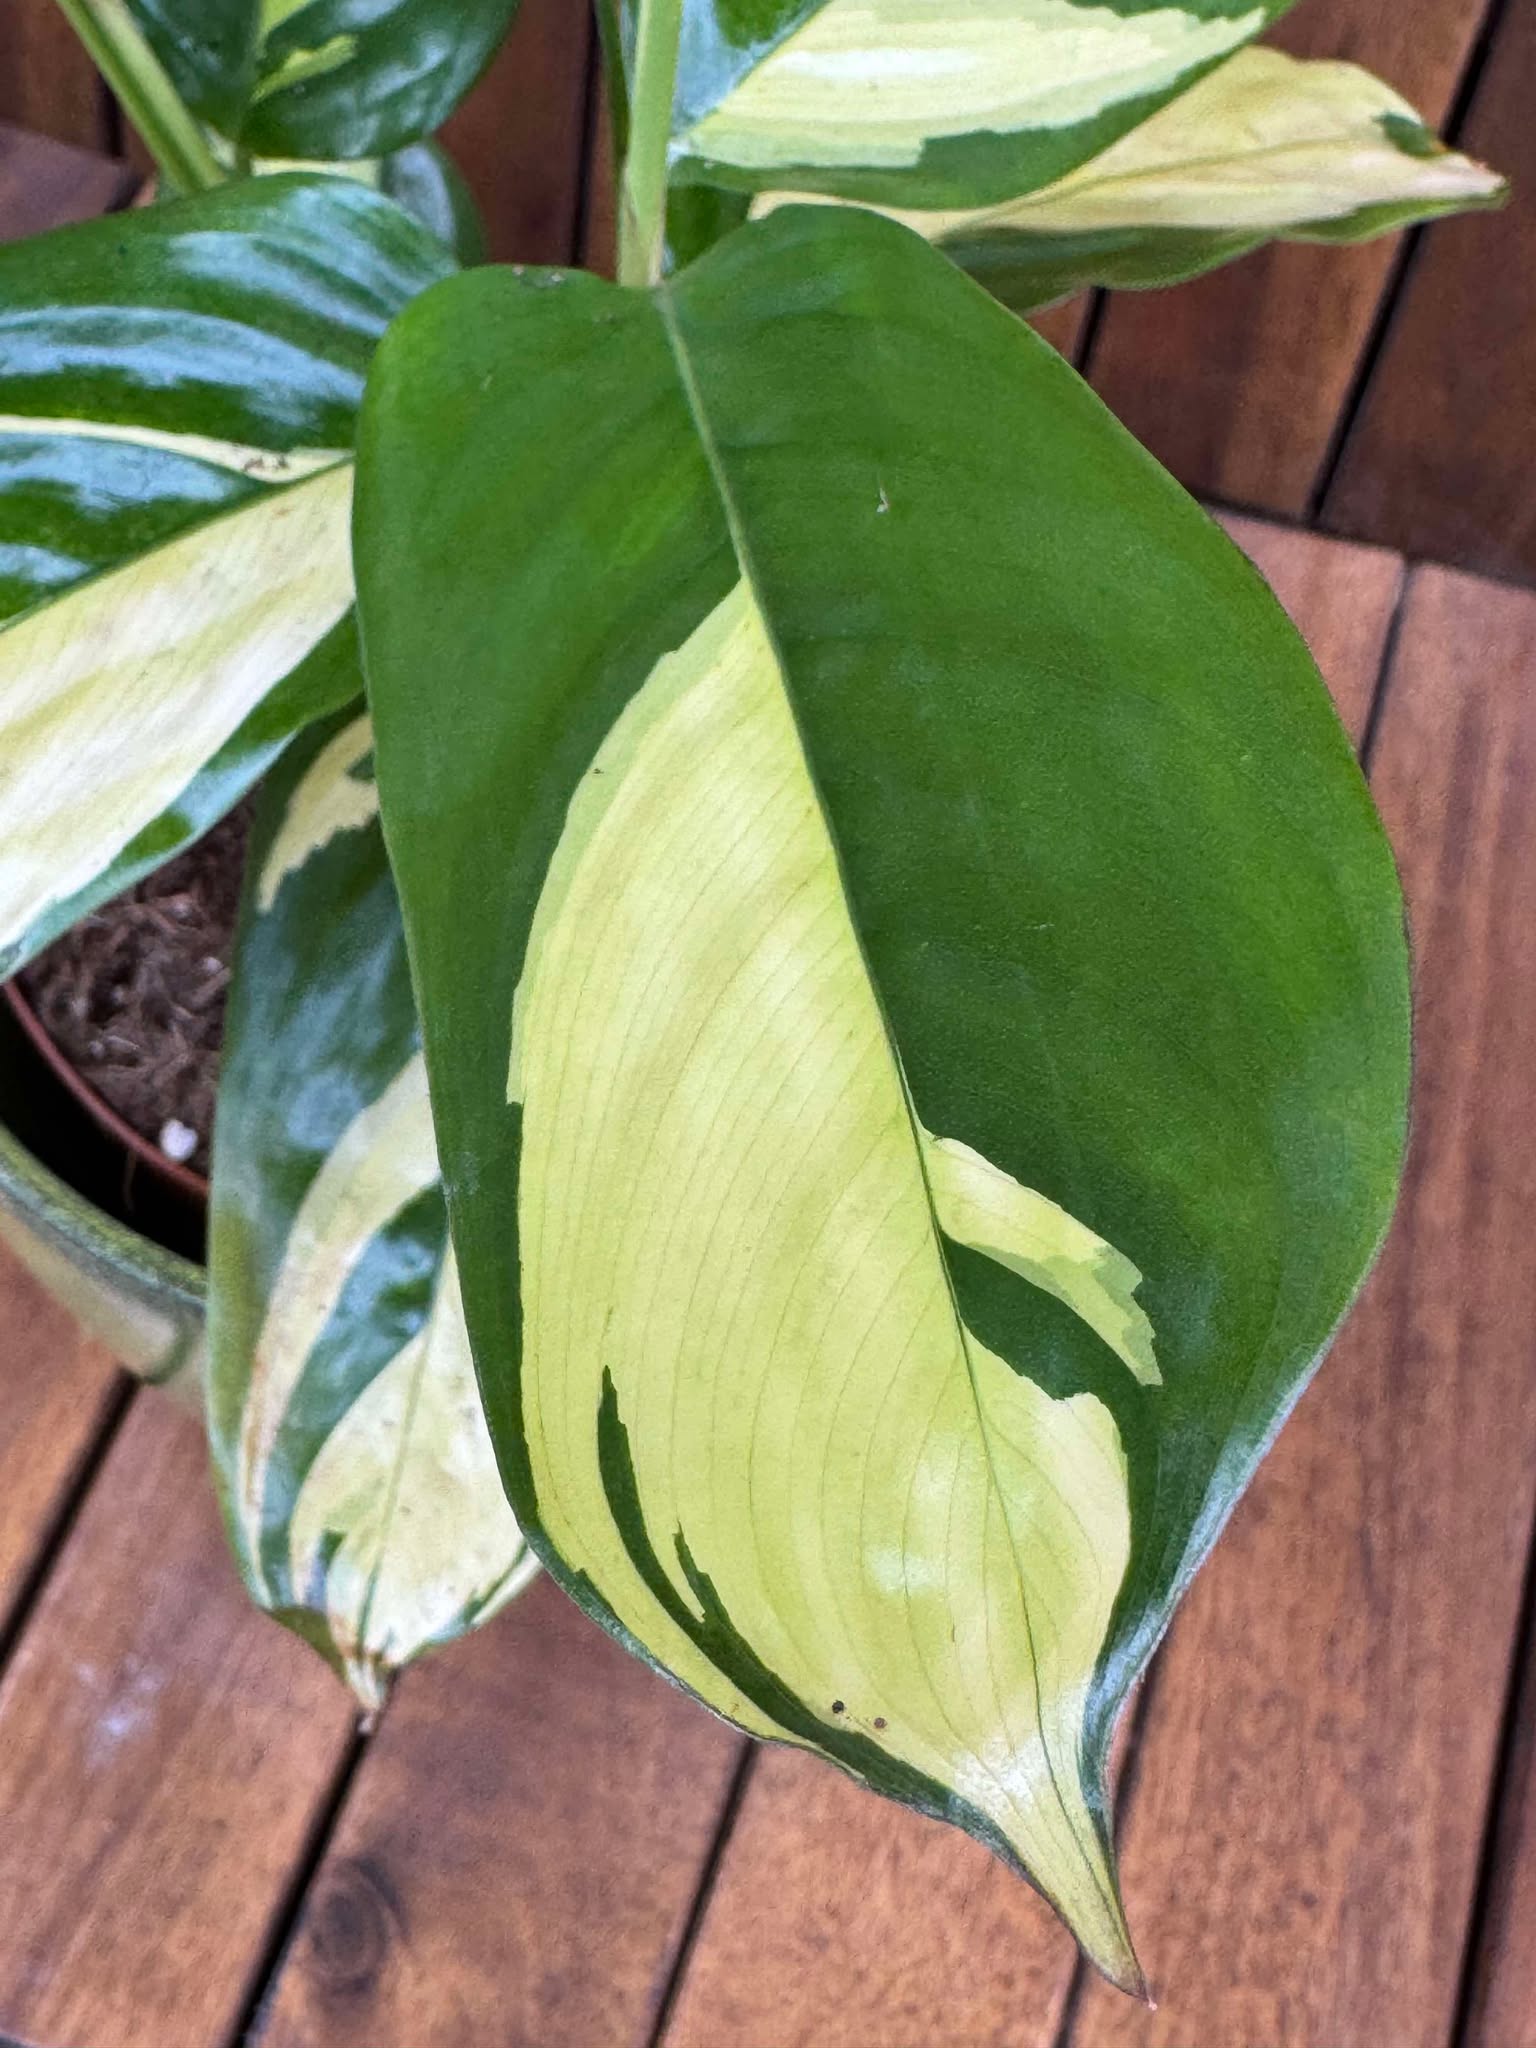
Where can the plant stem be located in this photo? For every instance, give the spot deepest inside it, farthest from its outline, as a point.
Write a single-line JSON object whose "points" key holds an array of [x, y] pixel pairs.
{"points": [[121, 53], [643, 188]]}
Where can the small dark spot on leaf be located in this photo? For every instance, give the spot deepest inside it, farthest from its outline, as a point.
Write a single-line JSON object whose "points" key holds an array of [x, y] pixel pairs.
{"points": [[879, 1720], [837, 1706]]}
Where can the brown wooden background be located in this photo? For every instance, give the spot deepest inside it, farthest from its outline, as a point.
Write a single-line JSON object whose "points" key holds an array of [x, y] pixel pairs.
{"points": [[1329, 1802]]}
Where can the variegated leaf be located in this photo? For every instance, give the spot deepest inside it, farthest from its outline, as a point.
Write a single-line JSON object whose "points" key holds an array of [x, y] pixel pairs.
{"points": [[1266, 146], [178, 389], [913, 988], [322, 79], [359, 1480], [934, 103]]}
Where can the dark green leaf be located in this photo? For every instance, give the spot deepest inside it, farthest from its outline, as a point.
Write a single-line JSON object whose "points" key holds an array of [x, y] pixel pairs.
{"points": [[324, 80]]}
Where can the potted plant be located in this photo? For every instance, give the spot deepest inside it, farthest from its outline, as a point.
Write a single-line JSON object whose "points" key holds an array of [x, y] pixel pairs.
{"points": [[818, 1034]]}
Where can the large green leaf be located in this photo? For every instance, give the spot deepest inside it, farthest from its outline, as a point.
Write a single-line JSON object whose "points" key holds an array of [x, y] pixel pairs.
{"points": [[324, 78], [1267, 145], [178, 390], [934, 103], [913, 987], [358, 1478]]}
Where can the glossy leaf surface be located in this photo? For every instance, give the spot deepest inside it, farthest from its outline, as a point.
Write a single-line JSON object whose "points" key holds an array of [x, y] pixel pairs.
{"points": [[324, 78], [358, 1477], [934, 103], [1266, 146], [913, 987], [178, 390]]}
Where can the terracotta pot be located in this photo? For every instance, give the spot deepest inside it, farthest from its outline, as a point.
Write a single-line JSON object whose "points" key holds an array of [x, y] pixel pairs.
{"points": [[98, 1220]]}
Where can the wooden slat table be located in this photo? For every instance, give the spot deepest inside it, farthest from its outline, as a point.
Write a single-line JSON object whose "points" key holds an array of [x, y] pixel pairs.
{"points": [[1329, 1804]]}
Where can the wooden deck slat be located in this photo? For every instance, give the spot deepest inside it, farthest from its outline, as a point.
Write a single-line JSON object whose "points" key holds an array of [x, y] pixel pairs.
{"points": [[164, 1752], [57, 1393], [519, 1853], [518, 137], [47, 82], [839, 1920], [1502, 2011], [1064, 326], [599, 228], [1302, 1852], [1341, 597], [1441, 458], [1236, 381]]}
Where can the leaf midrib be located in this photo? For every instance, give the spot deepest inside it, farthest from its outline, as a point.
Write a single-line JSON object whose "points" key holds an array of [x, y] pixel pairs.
{"points": [[742, 548]]}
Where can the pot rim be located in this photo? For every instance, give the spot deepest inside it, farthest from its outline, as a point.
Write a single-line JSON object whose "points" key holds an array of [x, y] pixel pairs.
{"points": [[148, 1157]]}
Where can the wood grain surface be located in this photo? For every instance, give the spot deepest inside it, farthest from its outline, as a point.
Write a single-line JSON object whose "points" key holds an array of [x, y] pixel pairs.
{"points": [[164, 1754], [519, 1853], [1065, 325], [1342, 598], [840, 1921], [47, 83], [1502, 2005], [1442, 455], [1302, 1852], [58, 1393], [1237, 380], [520, 136]]}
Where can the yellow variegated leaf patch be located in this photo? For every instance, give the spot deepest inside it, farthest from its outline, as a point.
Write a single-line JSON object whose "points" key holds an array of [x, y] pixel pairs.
{"points": [[115, 696], [985, 96], [1265, 145], [178, 393], [908, 1555]]}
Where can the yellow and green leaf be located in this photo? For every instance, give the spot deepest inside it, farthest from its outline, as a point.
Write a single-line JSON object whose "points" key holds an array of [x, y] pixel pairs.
{"points": [[178, 390], [359, 1481], [938, 103], [1265, 146], [912, 984]]}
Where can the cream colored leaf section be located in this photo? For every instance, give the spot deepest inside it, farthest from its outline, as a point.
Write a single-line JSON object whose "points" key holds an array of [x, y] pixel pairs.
{"points": [[401, 1534], [979, 1205], [873, 82], [328, 799], [1266, 144], [265, 465], [384, 1159], [113, 696], [724, 1219]]}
